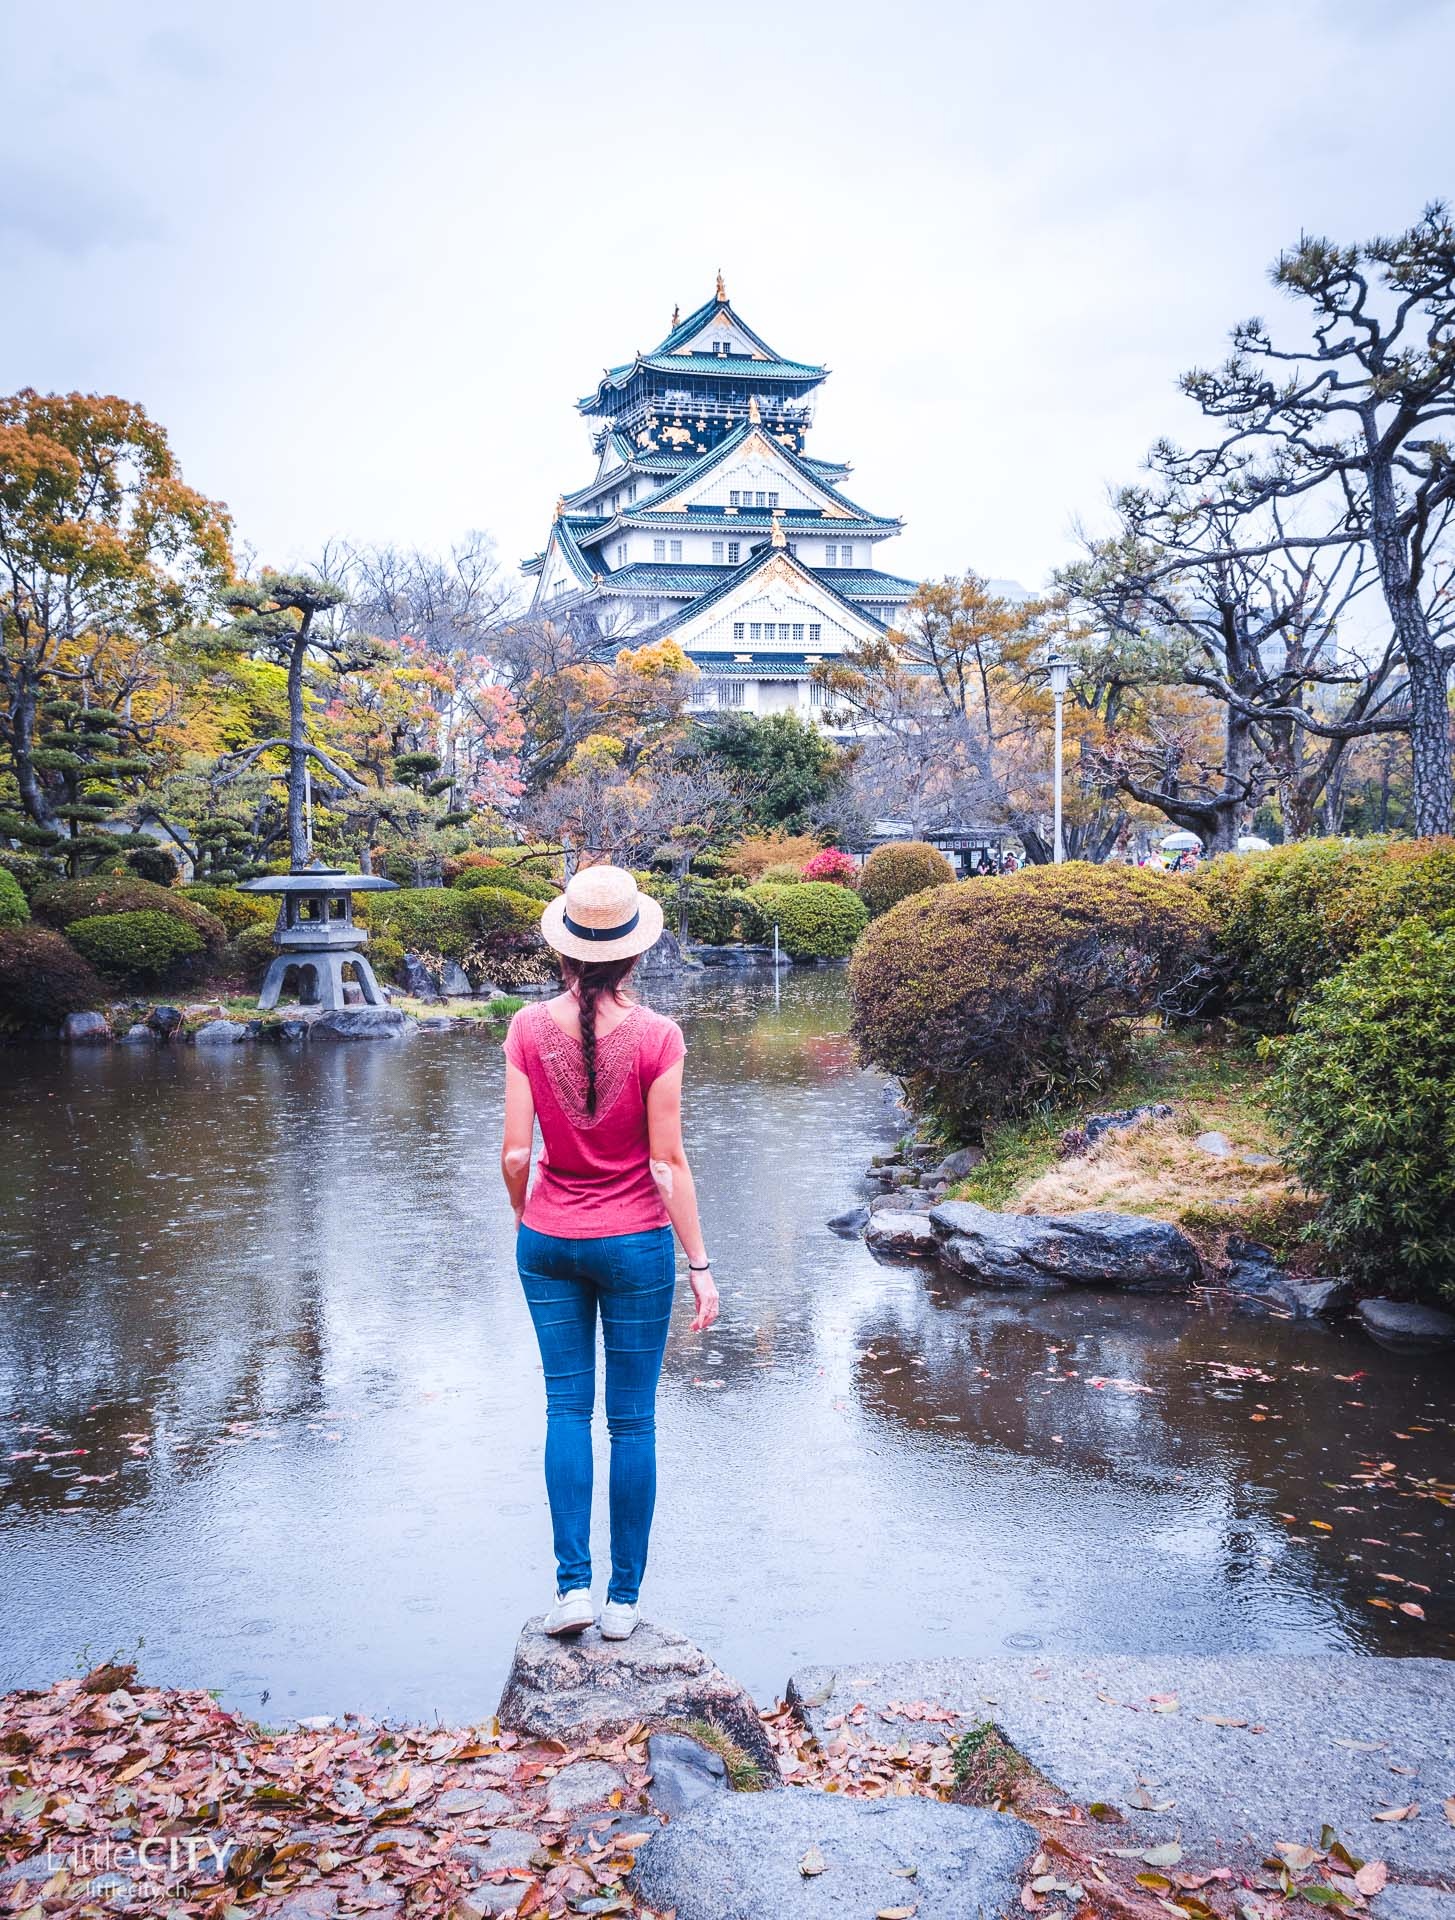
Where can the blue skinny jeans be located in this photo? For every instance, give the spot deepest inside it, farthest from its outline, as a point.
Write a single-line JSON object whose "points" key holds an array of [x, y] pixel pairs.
{"points": [[629, 1277]]}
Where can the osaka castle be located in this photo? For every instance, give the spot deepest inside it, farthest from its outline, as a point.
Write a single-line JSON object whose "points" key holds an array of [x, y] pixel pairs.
{"points": [[709, 523]]}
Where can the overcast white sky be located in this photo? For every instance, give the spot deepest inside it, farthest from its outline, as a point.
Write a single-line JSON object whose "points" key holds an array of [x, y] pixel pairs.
{"points": [[361, 258]]}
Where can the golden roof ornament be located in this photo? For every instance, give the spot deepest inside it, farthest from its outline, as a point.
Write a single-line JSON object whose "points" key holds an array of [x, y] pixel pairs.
{"points": [[754, 417], [721, 289], [780, 538], [560, 505]]}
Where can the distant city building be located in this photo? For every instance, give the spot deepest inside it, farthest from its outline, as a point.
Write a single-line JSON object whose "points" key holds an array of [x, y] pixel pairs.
{"points": [[709, 524]]}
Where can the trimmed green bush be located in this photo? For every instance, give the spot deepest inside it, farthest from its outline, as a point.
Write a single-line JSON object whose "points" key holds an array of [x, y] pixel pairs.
{"points": [[67, 901], [1289, 918], [500, 911], [153, 862], [30, 871], [14, 907], [817, 919], [427, 919], [1366, 1088], [989, 998], [42, 979], [783, 873], [507, 878], [716, 914], [385, 955], [135, 946], [893, 872], [234, 909]]}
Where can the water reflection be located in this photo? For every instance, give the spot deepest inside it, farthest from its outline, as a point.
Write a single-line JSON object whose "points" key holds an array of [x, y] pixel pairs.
{"points": [[276, 1405]]}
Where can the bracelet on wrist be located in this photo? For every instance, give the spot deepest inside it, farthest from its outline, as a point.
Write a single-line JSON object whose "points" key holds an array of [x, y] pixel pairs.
{"points": [[706, 1267]]}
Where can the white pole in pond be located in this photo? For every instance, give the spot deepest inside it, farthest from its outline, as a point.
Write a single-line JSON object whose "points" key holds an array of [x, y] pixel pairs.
{"points": [[775, 963]]}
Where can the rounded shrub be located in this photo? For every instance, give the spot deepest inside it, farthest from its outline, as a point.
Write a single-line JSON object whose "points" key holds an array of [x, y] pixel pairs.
{"points": [[511, 879], [783, 873], [135, 946], [716, 914], [385, 955], [1366, 1090], [893, 872], [234, 909], [427, 919], [816, 919], [1289, 918], [499, 912], [27, 869], [67, 901], [832, 864], [14, 907], [987, 1000], [153, 862], [42, 979]]}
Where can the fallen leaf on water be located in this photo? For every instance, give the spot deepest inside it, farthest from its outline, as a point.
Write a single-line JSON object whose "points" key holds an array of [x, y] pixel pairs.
{"points": [[812, 1862], [1398, 1813], [1410, 1607], [1371, 1877]]}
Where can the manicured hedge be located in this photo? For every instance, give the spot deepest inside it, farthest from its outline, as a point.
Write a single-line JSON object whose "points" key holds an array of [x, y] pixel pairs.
{"points": [[1289, 918], [783, 873], [512, 879], [427, 919], [233, 908], [14, 907], [66, 901], [716, 914], [892, 873], [42, 979], [1366, 1089], [988, 998], [816, 919], [135, 946]]}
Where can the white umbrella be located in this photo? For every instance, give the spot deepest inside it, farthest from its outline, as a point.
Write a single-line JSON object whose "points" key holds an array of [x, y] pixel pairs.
{"points": [[1253, 843], [1182, 843]]}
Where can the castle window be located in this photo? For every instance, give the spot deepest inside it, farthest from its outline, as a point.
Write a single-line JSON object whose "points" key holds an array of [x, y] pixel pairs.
{"points": [[798, 633], [772, 499], [734, 549], [733, 498], [814, 633], [755, 630], [737, 630], [621, 554], [816, 693], [659, 549], [730, 693], [717, 553], [651, 609], [831, 556], [762, 499], [676, 549], [846, 556]]}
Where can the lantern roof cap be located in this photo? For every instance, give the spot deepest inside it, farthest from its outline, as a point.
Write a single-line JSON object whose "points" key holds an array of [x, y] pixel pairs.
{"points": [[318, 879]]}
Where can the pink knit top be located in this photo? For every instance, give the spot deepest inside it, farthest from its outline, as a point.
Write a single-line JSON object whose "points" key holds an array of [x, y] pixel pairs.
{"points": [[593, 1177]]}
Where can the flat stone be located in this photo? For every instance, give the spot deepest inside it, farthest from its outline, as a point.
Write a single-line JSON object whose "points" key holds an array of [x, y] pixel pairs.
{"points": [[1404, 1327], [683, 1772], [1217, 1144], [310, 1903], [1315, 1299], [139, 1035], [203, 1010], [1090, 1248], [585, 1783], [33, 1870], [903, 1200], [1095, 1125], [362, 1023], [735, 1856], [86, 1030], [1090, 1726], [292, 1030], [574, 1689], [506, 1847], [1416, 1903], [220, 1033], [849, 1224], [503, 1896], [901, 1233], [485, 1801], [454, 981]]}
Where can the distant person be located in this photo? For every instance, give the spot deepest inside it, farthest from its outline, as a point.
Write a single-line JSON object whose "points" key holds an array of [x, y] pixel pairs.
{"points": [[603, 1076]]}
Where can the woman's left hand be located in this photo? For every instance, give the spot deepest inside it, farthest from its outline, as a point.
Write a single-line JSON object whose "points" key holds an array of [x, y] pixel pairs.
{"points": [[704, 1292]]}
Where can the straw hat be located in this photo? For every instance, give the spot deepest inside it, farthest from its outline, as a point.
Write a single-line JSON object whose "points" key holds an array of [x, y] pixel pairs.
{"points": [[602, 915]]}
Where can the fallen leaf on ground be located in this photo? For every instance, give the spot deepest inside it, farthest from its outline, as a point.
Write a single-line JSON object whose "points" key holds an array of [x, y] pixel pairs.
{"points": [[1371, 1877], [1398, 1813], [812, 1862]]}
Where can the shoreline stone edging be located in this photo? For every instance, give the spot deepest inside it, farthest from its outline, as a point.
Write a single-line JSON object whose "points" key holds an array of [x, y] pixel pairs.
{"points": [[584, 1686], [1245, 1750], [1091, 1248]]}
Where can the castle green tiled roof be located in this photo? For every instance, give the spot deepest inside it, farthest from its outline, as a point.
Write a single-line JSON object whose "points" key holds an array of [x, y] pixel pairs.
{"points": [[863, 583], [726, 578], [689, 328], [703, 463], [652, 580], [747, 524]]}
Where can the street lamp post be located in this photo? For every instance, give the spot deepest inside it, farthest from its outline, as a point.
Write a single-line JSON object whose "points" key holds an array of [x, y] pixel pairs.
{"points": [[1060, 673]]}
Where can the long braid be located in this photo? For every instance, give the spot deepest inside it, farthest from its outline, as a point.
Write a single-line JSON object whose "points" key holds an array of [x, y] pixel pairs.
{"points": [[588, 992]]}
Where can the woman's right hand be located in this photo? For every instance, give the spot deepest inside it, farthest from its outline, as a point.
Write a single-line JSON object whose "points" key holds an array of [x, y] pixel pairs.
{"points": [[704, 1293]]}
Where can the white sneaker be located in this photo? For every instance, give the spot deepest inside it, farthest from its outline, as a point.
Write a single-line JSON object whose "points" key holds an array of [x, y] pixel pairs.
{"points": [[619, 1619], [572, 1612]]}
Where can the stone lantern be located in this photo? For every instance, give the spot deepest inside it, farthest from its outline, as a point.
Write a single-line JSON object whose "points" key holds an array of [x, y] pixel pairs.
{"points": [[316, 934]]}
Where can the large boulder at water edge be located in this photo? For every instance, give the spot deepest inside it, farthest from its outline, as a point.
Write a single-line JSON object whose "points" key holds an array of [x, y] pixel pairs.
{"points": [[1064, 1249], [85, 1030], [574, 1689], [361, 1023], [1404, 1327], [901, 1233], [741, 1856]]}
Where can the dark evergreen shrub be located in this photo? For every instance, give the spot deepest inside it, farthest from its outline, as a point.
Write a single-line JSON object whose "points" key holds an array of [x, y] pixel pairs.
{"points": [[14, 907], [42, 979], [232, 907], [990, 997], [1366, 1089], [70, 900], [143, 947]]}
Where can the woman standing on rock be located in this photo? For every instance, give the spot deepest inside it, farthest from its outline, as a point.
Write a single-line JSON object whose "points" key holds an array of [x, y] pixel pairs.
{"points": [[603, 1076]]}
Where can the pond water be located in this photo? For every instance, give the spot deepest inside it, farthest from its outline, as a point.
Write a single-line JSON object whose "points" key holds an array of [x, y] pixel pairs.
{"points": [[271, 1295]]}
